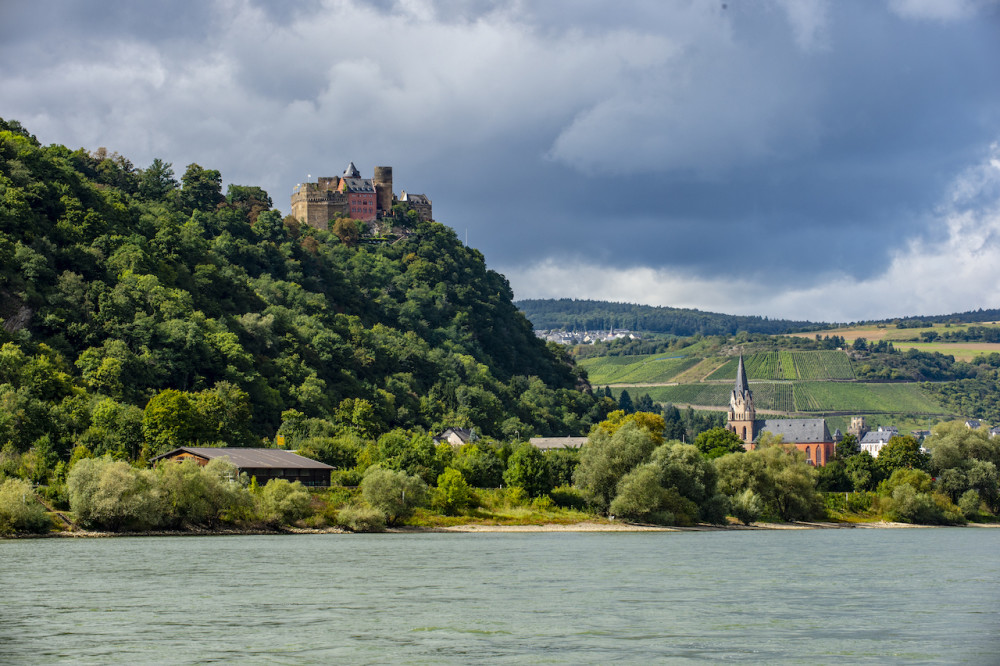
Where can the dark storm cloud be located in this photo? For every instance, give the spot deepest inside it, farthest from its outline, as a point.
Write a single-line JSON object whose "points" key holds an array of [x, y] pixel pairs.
{"points": [[790, 144]]}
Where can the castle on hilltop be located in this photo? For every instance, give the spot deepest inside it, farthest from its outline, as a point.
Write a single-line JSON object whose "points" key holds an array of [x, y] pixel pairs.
{"points": [[350, 195]]}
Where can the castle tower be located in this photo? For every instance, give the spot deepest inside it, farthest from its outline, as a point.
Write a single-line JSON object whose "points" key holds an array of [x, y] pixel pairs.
{"points": [[742, 413], [858, 427], [383, 188]]}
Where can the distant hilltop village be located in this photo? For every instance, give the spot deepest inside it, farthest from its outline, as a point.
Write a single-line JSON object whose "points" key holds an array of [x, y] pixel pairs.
{"points": [[586, 337], [350, 195]]}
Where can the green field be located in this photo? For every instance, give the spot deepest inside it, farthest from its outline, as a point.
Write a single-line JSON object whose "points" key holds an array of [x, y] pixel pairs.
{"points": [[651, 368]]}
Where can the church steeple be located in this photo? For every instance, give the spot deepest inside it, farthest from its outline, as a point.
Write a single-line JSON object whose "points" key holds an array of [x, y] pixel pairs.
{"points": [[742, 387], [742, 413]]}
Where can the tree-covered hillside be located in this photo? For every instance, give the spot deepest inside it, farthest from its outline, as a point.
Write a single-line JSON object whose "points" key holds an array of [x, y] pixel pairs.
{"points": [[585, 315], [141, 313]]}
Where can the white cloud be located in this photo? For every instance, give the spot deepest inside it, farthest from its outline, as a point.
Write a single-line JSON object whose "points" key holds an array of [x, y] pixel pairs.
{"points": [[937, 10], [956, 274]]}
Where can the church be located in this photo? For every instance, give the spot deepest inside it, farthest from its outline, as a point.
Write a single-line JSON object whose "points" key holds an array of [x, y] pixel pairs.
{"points": [[811, 436]]}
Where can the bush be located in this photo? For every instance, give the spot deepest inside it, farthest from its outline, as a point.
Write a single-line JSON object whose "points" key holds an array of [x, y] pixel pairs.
{"points": [[196, 495], [361, 518], [20, 510], [283, 502], [113, 495], [452, 494], [969, 504], [568, 497], [543, 503], [909, 505], [395, 493], [747, 507]]}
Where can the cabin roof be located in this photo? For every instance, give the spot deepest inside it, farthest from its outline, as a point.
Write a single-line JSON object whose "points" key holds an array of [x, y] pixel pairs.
{"points": [[244, 458]]}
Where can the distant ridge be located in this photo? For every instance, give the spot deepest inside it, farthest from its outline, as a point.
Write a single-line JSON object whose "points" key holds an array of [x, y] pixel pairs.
{"points": [[583, 314], [573, 314]]}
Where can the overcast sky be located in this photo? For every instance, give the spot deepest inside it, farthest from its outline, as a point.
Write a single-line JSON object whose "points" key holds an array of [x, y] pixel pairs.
{"points": [[810, 159]]}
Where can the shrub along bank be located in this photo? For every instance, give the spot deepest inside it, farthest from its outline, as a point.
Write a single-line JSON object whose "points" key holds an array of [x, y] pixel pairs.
{"points": [[626, 471]]}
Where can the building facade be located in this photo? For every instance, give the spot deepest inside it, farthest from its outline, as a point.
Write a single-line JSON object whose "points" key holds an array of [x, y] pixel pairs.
{"points": [[811, 436], [350, 195]]}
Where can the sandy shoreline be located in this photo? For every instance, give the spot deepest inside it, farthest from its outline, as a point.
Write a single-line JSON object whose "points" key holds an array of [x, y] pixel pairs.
{"points": [[585, 526]]}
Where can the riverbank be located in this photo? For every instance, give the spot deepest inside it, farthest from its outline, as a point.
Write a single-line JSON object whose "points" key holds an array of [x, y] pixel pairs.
{"points": [[473, 528]]}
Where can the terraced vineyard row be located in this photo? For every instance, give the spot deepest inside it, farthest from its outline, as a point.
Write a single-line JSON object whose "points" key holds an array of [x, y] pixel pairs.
{"points": [[808, 397], [841, 396], [652, 368], [711, 395], [787, 362], [823, 365], [789, 365]]}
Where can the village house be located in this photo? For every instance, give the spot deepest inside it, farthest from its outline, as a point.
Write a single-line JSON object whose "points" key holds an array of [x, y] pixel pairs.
{"points": [[875, 440], [456, 436]]}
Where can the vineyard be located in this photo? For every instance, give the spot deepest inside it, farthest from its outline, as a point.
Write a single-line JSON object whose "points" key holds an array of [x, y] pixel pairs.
{"points": [[845, 397], [789, 365], [653, 368], [788, 381], [710, 395], [805, 397], [822, 365]]}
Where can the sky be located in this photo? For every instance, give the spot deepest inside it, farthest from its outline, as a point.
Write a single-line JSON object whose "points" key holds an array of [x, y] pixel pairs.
{"points": [[831, 160]]}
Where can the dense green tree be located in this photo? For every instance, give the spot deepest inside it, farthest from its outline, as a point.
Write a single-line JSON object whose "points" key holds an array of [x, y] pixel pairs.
{"points": [[901, 453], [964, 460], [157, 181], [847, 447], [527, 468], [625, 402], [479, 464], [718, 442], [909, 496], [677, 486], [833, 477], [202, 188], [863, 472], [609, 454], [778, 475], [193, 495], [452, 494]]}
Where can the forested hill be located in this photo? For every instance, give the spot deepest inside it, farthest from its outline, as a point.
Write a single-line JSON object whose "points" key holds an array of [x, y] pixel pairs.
{"points": [[584, 315], [142, 313]]}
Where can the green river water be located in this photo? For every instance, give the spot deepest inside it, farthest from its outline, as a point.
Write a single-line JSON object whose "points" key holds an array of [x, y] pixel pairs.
{"points": [[762, 597]]}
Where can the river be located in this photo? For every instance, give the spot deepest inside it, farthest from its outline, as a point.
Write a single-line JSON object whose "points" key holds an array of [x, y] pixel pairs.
{"points": [[785, 596]]}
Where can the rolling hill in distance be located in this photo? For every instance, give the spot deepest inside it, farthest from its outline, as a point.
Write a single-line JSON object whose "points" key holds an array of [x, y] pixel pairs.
{"points": [[911, 372]]}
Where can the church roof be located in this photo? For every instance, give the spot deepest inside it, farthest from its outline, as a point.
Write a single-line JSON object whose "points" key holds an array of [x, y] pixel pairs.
{"points": [[352, 171], [797, 431], [741, 379]]}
